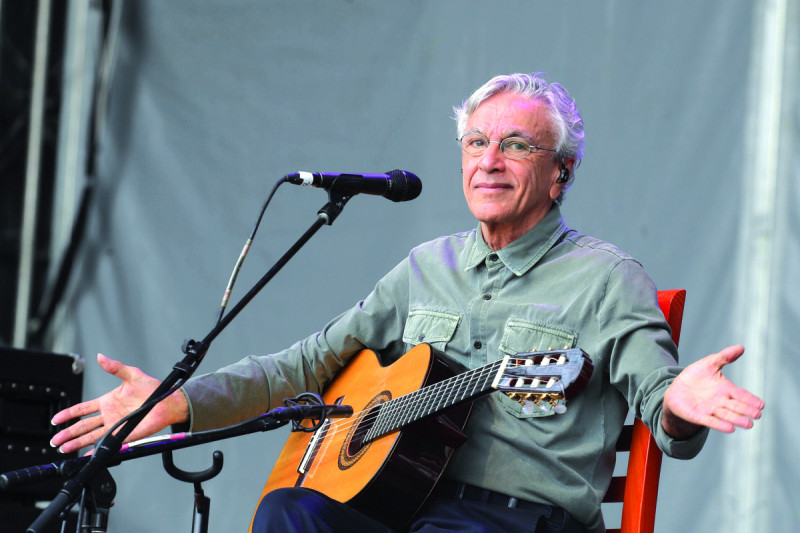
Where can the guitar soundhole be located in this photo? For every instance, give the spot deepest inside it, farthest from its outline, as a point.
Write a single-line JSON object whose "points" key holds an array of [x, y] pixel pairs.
{"points": [[354, 446]]}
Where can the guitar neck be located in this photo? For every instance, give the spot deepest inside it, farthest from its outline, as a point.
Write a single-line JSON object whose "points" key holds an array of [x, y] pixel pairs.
{"points": [[403, 410]]}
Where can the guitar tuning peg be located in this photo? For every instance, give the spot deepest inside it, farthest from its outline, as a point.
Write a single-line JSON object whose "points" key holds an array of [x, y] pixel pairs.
{"points": [[527, 407], [558, 406]]}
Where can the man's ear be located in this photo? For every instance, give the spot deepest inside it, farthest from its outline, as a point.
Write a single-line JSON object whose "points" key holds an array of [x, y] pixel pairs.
{"points": [[565, 172], [566, 169]]}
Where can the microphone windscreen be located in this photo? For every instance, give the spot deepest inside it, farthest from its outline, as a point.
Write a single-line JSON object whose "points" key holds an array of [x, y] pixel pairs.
{"points": [[403, 186]]}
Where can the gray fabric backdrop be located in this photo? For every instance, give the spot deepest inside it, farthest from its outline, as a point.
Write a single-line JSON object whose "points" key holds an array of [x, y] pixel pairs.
{"points": [[213, 101]]}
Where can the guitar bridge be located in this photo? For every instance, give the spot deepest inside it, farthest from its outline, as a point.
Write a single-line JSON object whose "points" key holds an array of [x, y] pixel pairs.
{"points": [[314, 444]]}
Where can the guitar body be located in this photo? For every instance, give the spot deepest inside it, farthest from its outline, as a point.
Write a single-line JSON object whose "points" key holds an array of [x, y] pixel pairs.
{"points": [[385, 459], [390, 477]]}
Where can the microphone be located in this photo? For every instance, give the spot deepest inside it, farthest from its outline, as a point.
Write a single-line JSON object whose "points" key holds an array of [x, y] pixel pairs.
{"points": [[27, 475], [396, 185], [39, 473], [301, 412]]}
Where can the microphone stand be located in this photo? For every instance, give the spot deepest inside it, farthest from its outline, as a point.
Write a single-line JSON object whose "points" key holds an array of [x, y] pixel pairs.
{"points": [[194, 353], [99, 493]]}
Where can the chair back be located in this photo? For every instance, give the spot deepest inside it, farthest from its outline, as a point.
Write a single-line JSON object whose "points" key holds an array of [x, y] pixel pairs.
{"points": [[638, 488]]}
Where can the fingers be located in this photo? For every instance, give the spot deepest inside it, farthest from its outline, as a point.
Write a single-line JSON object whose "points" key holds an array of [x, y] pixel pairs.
{"points": [[728, 355], [81, 427], [83, 432], [739, 408], [721, 419], [730, 419], [730, 414], [78, 431], [75, 411], [749, 402], [81, 442], [741, 413], [115, 368], [718, 424]]}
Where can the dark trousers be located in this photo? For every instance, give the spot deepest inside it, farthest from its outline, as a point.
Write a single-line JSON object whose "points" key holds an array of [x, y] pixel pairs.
{"points": [[304, 511]]}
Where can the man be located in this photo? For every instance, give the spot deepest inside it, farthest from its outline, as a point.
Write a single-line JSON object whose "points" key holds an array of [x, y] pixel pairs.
{"points": [[522, 281]]}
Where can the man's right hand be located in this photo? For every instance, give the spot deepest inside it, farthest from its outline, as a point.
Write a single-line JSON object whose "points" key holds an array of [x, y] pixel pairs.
{"points": [[109, 408]]}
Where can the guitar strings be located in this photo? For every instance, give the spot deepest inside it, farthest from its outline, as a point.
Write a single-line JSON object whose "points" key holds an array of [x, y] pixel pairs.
{"points": [[387, 411], [394, 414], [397, 414], [443, 390]]}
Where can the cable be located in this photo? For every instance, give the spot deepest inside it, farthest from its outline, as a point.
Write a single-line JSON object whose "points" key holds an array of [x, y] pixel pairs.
{"points": [[238, 266]]}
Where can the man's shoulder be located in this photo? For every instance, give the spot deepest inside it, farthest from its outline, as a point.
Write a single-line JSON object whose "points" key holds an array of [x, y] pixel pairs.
{"points": [[597, 248]]}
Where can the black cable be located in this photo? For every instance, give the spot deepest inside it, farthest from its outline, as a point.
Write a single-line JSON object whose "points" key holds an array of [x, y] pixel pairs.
{"points": [[238, 266], [189, 371]]}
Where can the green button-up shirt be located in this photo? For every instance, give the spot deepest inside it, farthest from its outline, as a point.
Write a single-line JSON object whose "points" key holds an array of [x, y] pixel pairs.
{"points": [[552, 288]]}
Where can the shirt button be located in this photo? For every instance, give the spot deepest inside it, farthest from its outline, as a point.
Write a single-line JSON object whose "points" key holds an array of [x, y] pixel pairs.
{"points": [[421, 338], [492, 257], [487, 296], [478, 345]]}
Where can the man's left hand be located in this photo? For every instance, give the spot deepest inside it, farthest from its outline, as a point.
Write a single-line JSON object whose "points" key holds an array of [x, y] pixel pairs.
{"points": [[701, 396]]}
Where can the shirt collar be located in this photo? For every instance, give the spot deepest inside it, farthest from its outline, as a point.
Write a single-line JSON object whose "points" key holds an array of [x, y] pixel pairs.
{"points": [[523, 253]]}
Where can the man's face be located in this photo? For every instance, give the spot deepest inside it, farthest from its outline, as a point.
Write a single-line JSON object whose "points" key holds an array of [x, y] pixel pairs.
{"points": [[510, 196]]}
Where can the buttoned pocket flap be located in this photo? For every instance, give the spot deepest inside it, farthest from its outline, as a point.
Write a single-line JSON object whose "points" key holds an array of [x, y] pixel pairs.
{"points": [[432, 327], [520, 336]]}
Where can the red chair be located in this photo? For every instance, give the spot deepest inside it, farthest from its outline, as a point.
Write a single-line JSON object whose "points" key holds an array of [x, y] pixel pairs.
{"points": [[638, 488]]}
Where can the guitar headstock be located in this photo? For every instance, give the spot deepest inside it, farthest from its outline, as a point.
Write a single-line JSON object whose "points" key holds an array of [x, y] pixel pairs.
{"points": [[539, 379]]}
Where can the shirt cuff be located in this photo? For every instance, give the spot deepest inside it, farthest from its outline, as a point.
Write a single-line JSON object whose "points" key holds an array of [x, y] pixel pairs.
{"points": [[680, 448]]}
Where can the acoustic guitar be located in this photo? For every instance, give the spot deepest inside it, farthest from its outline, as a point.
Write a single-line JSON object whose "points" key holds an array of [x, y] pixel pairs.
{"points": [[408, 418]]}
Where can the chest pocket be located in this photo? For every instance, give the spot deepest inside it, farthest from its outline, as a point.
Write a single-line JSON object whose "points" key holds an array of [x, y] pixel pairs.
{"points": [[433, 327], [521, 336]]}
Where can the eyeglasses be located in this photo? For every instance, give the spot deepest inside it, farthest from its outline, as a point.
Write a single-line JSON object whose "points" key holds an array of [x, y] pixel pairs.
{"points": [[512, 147]]}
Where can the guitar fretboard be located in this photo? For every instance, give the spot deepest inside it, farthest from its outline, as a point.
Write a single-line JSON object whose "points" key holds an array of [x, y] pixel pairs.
{"points": [[403, 410]]}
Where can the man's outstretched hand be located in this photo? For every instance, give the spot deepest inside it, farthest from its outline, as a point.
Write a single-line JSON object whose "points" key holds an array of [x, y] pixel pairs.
{"points": [[109, 408], [702, 396]]}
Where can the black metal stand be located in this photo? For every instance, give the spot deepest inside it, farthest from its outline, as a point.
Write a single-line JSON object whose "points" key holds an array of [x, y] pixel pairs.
{"points": [[99, 493], [96, 501], [104, 454], [202, 503]]}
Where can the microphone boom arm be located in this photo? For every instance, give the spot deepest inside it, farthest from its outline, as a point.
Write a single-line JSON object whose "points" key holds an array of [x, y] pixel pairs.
{"points": [[183, 370]]}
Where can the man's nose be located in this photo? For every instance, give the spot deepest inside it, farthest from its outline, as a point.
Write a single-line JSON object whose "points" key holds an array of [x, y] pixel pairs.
{"points": [[493, 157]]}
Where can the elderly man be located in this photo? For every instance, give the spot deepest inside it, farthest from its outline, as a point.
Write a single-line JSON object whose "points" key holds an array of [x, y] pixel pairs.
{"points": [[522, 281]]}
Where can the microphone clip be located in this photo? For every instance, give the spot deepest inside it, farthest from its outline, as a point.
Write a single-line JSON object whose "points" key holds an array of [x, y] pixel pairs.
{"points": [[309, 406], [336, 202]]}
